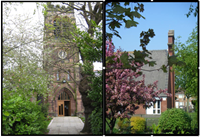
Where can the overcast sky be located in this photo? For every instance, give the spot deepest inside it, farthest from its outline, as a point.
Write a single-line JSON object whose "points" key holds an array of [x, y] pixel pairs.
{"points": [[28, 8]]}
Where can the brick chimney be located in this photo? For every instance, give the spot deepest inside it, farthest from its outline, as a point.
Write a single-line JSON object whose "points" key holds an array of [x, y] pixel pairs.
{"points": [[171, 81]]}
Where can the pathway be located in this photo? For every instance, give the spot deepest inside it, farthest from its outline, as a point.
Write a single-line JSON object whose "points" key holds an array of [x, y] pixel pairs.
{"points": [[65, 125]]}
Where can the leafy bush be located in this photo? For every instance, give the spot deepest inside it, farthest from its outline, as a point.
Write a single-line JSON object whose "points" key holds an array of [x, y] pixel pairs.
{"points": [[194, 123], [22, 117], [156, 129], [138, 124], [95, 94], [194, 103], [96, 121], [44, 109], [175, 120], [82, 118], [123, 124]]}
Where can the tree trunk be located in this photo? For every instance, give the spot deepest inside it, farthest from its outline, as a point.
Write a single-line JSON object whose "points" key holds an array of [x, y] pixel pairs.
{"points": [[87, 103], [112, 125], [187, 103]]}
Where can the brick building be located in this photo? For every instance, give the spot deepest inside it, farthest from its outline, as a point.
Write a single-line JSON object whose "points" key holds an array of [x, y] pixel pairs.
{"points": [[165, 80], [181, 101]]}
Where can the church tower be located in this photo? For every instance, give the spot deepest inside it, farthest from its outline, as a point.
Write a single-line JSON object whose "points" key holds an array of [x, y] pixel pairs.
{"points": [[61, 58]]}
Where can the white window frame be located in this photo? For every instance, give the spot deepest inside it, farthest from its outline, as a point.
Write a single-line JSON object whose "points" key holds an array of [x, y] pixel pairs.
{"points": [[177, 104], [180, 96], [151, 109], [181, 103], [156, 107]]}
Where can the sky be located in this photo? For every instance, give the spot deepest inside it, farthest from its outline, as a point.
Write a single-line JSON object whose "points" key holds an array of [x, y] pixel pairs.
{"points": [[161, 17]]}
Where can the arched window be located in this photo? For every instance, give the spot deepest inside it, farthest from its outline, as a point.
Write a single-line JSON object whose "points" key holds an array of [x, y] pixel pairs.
{"points": [[63, 96]]}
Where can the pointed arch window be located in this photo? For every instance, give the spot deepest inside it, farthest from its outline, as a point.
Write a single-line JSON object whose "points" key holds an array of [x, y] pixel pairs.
{"points": [[63, 96]]}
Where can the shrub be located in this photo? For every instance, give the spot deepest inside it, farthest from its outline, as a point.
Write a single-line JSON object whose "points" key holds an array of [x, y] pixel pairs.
{"points": [[96, 121], [124, 126], [44, 109], [156, 129], [22, 117], [138, 124], [175, 120], [123, 123]]}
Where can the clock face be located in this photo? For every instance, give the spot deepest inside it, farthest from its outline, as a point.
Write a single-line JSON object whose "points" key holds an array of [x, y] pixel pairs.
{"points": [[62, 54]]}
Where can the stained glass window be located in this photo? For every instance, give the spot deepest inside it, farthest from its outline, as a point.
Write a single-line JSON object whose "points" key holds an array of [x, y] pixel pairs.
{"points": [[63, 96]]}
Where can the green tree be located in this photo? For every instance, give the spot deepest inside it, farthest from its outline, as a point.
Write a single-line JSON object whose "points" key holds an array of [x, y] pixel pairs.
{"points": [[96, 95], [186, 77], [22, 54], [23, 74]]}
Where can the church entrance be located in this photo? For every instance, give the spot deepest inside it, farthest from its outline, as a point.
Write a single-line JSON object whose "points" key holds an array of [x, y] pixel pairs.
{"points": [[64, 106]]}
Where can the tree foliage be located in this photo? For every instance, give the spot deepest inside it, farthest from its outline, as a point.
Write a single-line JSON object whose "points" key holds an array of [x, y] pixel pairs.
{"points": [[123, 90], [186, 78], [96, 95], [116, 13], [193, 10], [22, 55]]}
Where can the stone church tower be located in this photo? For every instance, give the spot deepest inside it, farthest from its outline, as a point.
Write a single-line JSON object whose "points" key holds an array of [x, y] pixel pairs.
{"points": [[61, 62]]}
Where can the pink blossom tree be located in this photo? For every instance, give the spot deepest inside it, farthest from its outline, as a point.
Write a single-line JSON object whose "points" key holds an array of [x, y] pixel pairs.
{"points": [[123, 91]]}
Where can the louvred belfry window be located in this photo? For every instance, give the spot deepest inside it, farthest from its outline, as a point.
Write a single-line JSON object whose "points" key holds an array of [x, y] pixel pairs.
{"points": [[56, 29]]}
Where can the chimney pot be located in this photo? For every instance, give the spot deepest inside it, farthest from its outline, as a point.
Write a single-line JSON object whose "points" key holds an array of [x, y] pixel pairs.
{"points": [[170, 38], [171, 33]]}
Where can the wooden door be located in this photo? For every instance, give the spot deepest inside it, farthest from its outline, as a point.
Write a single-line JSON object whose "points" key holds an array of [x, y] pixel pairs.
{"points": [[61, 108]]}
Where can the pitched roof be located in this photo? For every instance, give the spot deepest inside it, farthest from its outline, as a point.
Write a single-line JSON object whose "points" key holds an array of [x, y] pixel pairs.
{"points": [[161, 58]]}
